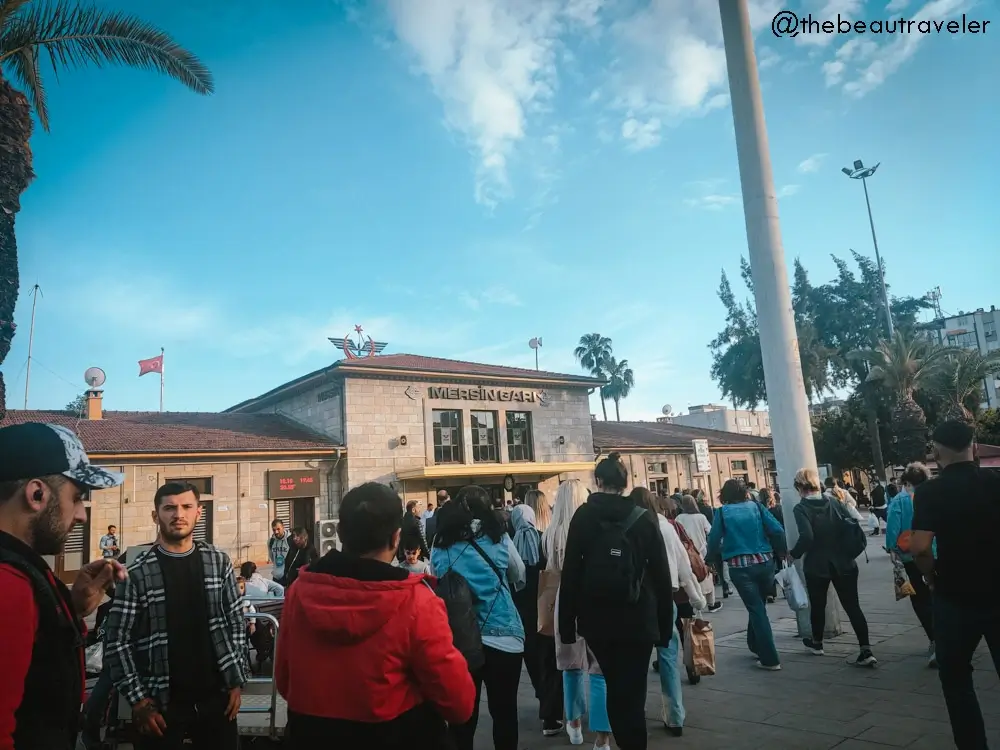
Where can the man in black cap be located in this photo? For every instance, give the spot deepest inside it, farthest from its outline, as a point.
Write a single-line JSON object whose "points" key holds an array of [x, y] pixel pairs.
{"points": [[960, 510], [45, 477]]}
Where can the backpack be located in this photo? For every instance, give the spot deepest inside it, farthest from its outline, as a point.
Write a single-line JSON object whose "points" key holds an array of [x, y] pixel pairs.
{"points": [[851, 538], [460, 604], [612, 568]]}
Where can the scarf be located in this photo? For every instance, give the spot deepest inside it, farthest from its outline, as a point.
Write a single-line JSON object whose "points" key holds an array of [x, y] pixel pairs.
{"points": [[527, 539]]}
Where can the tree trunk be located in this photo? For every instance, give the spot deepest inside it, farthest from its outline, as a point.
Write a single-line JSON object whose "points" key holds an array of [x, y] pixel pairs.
{"points": [[15, 174], [618, 416], [909, 427], [955, 410], [604, 407], [873, 434]]}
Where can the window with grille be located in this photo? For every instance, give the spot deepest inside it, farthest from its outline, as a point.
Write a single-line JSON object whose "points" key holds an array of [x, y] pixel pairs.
{"points": [[447, 436], [519, 443], [283, 512], [203, 529], [484, 437], [738, 465]]}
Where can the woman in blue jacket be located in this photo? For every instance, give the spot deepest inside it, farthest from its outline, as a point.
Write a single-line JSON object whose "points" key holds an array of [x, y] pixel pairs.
{"points": [[898, 525], [471, 541], [741, 535]]}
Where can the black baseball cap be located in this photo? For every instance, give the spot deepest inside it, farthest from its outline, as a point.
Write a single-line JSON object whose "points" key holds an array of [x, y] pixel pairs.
{"points": [[33, 450], [954, 434]]}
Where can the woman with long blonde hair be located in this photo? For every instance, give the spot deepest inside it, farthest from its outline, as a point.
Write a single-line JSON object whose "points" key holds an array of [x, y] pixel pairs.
{"points": [[573, 659], [540, 506]]}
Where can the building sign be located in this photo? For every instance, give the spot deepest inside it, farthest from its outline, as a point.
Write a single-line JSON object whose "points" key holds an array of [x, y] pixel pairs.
{"points": [[702, 458], [286, 484], [484, 394], [327, 394]]}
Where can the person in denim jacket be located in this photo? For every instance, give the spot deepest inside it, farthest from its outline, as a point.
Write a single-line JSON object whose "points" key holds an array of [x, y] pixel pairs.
{"points": [[898, 525], [468, 531], [738, 536]]}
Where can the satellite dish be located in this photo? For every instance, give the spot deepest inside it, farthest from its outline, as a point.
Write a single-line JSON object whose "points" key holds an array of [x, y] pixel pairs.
{"points": [[667, 410], [535, 343], [94, 377]]}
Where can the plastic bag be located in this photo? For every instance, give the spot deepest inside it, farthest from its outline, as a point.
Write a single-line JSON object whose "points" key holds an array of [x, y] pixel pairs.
{"points": [[900, 581], [94, 658], [873, 524], [793, 588]]}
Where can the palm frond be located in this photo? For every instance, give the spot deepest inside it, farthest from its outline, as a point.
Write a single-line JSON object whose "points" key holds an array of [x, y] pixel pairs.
{"points": [[8, 8], [75, 36], [24, 66]]}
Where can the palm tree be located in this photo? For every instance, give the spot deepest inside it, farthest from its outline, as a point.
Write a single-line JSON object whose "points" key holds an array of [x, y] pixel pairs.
{"points": [[72, 36], [962, 379], [903, 366], [621, 381], [594, 352]]}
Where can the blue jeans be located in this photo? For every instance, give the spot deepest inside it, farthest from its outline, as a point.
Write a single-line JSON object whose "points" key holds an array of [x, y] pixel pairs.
{"points": [[576, 703], [670, 679], [753, 584], [96, 707], [958, 630]]}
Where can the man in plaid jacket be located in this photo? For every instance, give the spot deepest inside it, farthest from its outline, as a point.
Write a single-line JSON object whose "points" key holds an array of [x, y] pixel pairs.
{"points": [[175, 640]]}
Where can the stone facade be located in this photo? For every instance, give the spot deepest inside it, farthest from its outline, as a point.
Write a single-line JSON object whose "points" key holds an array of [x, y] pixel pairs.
{"points": [[241, 511], [320, 407]]}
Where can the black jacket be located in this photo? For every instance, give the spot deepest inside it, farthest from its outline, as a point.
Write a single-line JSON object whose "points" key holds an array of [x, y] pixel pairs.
{"points": [[817, 519], [49, 712], [641, 622], [297, 559]]}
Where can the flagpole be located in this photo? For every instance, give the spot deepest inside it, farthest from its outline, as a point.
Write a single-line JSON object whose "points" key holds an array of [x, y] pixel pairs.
{"points": [[161, 377], [31, 342]]}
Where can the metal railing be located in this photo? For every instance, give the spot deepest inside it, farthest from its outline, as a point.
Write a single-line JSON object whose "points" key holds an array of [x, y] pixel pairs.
{"points": [[262, 605]]}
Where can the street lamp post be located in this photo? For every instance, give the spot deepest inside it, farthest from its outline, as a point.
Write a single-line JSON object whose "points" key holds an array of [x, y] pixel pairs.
{"points": [[786, 394], [861, 172]]}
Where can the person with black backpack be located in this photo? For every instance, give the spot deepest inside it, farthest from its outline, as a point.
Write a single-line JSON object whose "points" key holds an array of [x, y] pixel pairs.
{"points": [[478, 565], [830, 539], [614, 576]]}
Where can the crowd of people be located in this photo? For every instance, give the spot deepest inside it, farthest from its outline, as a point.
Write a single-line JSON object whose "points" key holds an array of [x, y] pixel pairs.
{"points": [[390, 641]]}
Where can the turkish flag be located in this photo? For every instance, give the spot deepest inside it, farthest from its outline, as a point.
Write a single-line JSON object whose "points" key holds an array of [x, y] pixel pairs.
{"points": [[147, 366]]}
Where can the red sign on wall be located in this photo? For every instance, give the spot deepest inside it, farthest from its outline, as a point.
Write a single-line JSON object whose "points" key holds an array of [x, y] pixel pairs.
{"points": [[290, 484]]}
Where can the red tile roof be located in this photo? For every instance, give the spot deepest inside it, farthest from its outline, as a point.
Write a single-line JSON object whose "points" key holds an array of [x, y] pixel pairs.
{"points": [[181, 432], [632, 435], [455, 366], [405, 363]]}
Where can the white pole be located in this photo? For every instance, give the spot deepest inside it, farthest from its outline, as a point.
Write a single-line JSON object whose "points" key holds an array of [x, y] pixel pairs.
{"points": [[163, 365], [31, 344], [786, 394]]}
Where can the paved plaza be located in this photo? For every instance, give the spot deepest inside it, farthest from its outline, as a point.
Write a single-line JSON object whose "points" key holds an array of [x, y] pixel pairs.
{"points": [[814, 703]]}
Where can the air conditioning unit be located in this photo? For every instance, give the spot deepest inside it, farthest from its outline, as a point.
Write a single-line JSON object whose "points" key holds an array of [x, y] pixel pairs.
{"points": [[327, 536]]}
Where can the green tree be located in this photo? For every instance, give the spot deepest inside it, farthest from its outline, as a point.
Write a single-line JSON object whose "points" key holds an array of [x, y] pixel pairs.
{"points": [[621, 381], [988, 427], [71, 36], [594, 354], [842, 438], [77, 405], [961, 382], [904, 365]]}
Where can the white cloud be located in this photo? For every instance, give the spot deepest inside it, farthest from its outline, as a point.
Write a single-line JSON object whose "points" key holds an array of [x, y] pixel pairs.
{"points": [[641, 135], [833, 72], [896, 5], [867, 64], [786, 191], [712, 202], [767, 58], [828, 10], [494, 295], [811, 163]]}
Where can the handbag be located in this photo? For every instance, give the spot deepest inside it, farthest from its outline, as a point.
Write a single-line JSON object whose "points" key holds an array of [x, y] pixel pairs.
{"points": [[698, 566], [548, 592], [793, 588]]}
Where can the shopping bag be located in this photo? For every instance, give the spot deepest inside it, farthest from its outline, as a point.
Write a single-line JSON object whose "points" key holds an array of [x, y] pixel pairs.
{"points": [[900, 581], [793, 588], [699, 647], [94, 658], [548, 591]]}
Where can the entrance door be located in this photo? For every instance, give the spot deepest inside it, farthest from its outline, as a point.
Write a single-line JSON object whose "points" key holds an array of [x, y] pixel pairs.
{"points": [[76, 552], [303, 512]]}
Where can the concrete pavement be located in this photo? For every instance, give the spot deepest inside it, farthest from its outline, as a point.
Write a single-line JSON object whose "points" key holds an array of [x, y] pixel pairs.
{"points": [[814, 703]]}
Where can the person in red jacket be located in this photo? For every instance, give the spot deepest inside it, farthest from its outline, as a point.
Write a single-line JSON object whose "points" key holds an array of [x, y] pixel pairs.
{"points": [[365, 657]]}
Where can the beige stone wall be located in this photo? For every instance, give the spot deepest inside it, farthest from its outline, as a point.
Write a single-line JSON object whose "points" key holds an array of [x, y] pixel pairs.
{"points": [[681, 470], [321, 408], [380, 412], [242, 513]]}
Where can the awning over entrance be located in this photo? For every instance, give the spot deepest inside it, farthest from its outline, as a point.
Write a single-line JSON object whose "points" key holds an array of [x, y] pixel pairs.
{"points": [[442, 471]]}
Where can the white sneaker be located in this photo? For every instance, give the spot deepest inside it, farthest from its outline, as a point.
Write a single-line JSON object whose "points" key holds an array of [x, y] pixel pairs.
{"points": [[575, 733], [602, 747]]}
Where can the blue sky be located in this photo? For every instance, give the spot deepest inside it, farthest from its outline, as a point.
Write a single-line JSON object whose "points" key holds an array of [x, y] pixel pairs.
{"points": [[459, 176]]}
